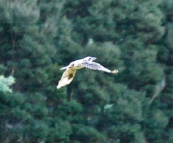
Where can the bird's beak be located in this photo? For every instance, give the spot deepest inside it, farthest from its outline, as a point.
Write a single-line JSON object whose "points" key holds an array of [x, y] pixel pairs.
{"points": [[94, 58]]}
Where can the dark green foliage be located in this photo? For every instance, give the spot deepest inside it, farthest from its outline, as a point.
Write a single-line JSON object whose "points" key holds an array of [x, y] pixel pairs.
{"points": [[60, 131], [38, 37], [36, 131], [87, 134], [121, 119], [141, 65]]}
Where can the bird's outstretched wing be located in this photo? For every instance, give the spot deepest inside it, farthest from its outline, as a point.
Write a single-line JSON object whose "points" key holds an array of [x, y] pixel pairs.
{"points": [[66, 78], [97, 66]]}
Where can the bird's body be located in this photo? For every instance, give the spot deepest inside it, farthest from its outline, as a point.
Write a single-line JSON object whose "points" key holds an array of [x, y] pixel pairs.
{"points": [[70, 72]]}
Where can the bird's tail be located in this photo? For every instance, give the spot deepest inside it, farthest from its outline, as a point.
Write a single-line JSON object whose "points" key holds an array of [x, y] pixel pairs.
{"points": [[114, 71]]}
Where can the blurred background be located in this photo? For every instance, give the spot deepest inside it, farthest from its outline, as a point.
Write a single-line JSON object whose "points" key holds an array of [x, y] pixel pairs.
{"points": [[38, 37]]}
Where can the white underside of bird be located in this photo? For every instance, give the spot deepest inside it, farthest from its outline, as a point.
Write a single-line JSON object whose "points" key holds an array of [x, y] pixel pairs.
{"points": [[70, 70]]}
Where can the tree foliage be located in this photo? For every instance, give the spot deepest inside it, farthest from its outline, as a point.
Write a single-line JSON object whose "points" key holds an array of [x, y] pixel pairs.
{"points": [[38, 37]]}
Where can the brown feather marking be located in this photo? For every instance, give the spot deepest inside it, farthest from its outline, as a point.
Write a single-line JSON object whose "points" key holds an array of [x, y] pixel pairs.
{"points": [[70, 76]]}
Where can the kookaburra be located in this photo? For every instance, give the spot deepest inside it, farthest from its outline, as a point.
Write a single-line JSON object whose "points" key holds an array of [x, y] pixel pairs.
{"points": [[70, 70]]}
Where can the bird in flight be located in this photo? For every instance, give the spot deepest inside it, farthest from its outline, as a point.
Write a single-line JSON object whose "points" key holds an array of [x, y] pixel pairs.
{"points": [[70, 70]]}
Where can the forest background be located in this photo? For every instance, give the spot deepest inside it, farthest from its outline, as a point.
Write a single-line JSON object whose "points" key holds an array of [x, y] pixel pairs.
{"points": [[38, 37]]}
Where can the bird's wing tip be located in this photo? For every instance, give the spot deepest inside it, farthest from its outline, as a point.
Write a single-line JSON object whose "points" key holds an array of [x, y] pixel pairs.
{"points": [[58, 86], [115, 71], [62, 68]]}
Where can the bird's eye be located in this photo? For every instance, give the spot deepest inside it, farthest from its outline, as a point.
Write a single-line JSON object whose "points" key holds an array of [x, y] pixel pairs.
{"points": [[89, 58]]}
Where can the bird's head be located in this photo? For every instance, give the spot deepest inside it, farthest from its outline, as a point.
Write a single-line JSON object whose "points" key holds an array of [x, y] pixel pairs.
{"points": [[90, 58], [71, 64]]}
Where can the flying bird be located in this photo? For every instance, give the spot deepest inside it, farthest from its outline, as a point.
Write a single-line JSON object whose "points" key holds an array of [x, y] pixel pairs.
{"points": [[70, 70]]}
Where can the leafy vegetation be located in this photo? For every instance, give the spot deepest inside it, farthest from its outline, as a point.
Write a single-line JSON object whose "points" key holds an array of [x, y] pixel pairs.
{"points": [[38, 37]]}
